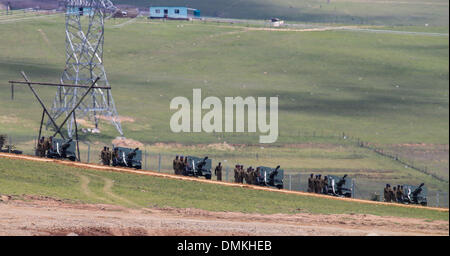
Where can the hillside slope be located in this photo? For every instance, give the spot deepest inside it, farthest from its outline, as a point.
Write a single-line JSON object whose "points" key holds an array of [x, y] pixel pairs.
{"points": [[374, 12]]}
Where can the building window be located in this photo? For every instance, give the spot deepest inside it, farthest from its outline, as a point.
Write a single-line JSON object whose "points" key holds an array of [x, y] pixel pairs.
{"points": [[157, 11], [177, 11]]}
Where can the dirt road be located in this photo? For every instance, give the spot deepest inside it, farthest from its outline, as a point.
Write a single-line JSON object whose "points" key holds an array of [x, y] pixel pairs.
{"points": [[34, 215]]}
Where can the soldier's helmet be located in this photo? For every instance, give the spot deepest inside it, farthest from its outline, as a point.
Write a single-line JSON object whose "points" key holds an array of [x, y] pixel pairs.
{"points": [[176, 157], [312, 175], [220, 163], [104, 148]]}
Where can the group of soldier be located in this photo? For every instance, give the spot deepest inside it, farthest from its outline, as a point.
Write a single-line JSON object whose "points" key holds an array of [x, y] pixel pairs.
{"points": [[43, 146], [249, 176], [179, 164], [394, 195], [2, 140], [317, 184], [107, 156]]}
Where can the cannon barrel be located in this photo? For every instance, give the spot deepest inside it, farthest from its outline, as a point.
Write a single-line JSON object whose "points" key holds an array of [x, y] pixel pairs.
{"points": [[66, 145], [342, 181], [418, 190], [132, 153], [202, 163]]}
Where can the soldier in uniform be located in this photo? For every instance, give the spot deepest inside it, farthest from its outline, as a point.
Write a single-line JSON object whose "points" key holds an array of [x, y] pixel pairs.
{"points": [[104, 156], [399, 194], [311, 183], [250, 175], [40, 150], [2, 140], [255, 174], [218, 171], [325, 185], [175, 165], [391, 194], [240, 178], [394, 194], [387, 194], [48, 144], [236, 174], [242, 174], [108, 156], [180, 165], [115, 157], [316, 184]]}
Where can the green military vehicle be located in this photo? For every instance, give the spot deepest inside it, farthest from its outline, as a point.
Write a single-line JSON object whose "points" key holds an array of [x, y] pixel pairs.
{"points": [[127, 157], [198, 167], [62, 149], [272, 177], [339, 186], [414, 194]]}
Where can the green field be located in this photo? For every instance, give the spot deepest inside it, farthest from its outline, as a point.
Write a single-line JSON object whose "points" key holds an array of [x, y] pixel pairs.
{"points": [[381, 88], [373, 12], [387, 89], [19, 177]]}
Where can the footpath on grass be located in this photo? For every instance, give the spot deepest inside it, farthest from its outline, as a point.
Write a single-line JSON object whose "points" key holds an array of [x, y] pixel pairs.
{"points": [[173, 176]]}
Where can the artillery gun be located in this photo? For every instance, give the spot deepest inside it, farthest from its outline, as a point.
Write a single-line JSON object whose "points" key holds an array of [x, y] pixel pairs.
{"points": [[127, 157], [198, 167], [270, 177], [339, 186], [62, 149], [415, 194]]}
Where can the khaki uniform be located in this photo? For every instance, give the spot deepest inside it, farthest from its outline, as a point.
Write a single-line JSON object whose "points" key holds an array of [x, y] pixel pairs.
{"points": [[104, 156], [236, 175], [393, 195], [316, 185], [399, 195], [114, 156], [311, 184], [47, 145], [250, 176], [218, 172], [108, 157], [387, 195], [175, 166], [40, 150], [324, 186], [254, 177]]}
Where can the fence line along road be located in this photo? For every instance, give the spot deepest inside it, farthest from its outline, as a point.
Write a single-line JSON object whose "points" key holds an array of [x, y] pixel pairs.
{"points": [[173, 176]]}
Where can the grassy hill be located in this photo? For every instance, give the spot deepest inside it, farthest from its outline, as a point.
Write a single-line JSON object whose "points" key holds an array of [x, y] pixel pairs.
{"points": [[79, 185], [387, 89], [373, 12], [382, 88]]}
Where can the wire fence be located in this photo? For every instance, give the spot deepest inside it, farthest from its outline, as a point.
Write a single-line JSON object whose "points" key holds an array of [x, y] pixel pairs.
{"points": [[163, 162]]}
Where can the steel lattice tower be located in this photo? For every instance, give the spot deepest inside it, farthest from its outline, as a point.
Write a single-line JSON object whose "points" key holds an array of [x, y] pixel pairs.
{"points": [[84, 63]]}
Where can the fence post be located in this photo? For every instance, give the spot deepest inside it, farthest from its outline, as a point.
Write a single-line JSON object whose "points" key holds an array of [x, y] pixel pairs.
{"points": [[145, 159], [353, 188], [89, 152], [299, 182], [10, 143], [159, 162], [437, 199], [226, 171], [290, 181]]}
